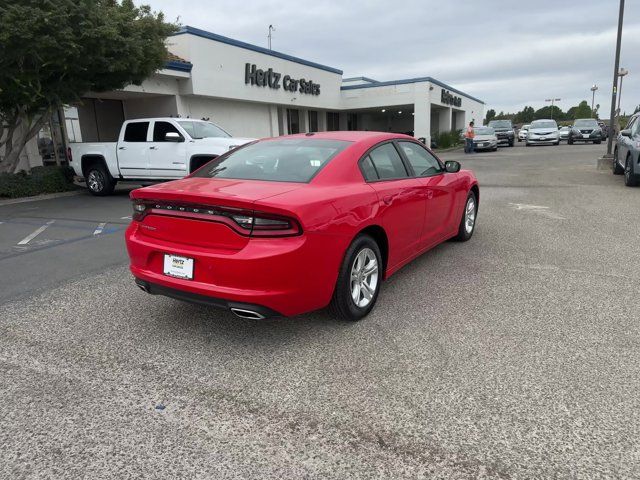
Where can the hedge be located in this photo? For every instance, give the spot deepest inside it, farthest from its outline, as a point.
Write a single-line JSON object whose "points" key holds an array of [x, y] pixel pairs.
{"points": [[448, 139], [40, 180]]}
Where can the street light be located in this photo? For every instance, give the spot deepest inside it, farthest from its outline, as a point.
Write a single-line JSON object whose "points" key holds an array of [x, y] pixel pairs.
{"points": [[552, 100], [593, 97], [271, 29], [621, 73]]}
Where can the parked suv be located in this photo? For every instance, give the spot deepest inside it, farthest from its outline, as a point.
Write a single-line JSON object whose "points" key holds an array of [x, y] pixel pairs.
{"points": [[626, 155], [504, 131], [585, 130]]}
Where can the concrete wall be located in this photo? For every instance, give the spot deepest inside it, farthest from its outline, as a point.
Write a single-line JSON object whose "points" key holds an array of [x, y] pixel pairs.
{"points": [[144, 107]]}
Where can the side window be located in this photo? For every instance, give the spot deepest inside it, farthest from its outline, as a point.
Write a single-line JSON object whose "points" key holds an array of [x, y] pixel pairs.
{"points": [[423, 162], [136, 132], [160, 129], [387, 162], [368, 170], [635, 128], [188, 127]]}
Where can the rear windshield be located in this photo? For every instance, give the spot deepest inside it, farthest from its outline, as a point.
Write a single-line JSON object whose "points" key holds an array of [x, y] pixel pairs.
{"points": [[286, 160]]}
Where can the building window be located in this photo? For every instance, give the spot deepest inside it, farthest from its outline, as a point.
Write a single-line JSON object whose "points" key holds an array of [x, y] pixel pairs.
{"points": [[313, 121], [352, 121], [333, 121], [293, 121]]}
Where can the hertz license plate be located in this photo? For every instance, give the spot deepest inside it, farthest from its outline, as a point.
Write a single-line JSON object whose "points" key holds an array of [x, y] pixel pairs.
{"points": [[179, 267]]}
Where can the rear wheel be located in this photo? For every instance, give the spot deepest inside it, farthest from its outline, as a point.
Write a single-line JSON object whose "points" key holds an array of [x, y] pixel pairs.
{"points": [[617, 169], [359, 280], [630, 180], [570, 141], [99, 180], [468, 220]]}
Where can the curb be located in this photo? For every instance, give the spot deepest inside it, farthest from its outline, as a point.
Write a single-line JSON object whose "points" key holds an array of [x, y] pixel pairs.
{"points": [[36, 198]]}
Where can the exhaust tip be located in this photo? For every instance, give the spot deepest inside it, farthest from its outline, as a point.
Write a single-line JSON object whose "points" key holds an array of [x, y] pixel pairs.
{"points": [[247, 314], [143, 287]]}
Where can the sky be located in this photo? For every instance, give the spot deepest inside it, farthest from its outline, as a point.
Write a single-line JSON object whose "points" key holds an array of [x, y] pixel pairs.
{"points": [[507, 53]]}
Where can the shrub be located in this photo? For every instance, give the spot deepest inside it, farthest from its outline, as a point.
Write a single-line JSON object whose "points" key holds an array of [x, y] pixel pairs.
{"points": [[448, 139], [39, 180]]}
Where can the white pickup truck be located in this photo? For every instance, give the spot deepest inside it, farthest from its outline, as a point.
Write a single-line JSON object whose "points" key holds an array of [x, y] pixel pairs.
{"points": [[150, 150]]}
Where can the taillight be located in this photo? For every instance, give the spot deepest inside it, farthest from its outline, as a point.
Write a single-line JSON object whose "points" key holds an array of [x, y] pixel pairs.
{"points": [[245, 222]]}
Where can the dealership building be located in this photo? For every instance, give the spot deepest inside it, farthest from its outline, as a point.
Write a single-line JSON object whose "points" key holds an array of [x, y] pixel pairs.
{"points": [[252, 91]]}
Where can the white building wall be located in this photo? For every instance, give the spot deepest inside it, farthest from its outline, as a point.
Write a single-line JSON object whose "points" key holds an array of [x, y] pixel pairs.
{"points": [[240, 119]]}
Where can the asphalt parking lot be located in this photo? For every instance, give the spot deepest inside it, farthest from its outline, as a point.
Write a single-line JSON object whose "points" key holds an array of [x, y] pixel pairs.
{"points": [[514, 355]]}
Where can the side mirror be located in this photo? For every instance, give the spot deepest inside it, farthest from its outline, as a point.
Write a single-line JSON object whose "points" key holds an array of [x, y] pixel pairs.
{"points": [[451, 166], [625, 133], [173, 137], [423, 140]]}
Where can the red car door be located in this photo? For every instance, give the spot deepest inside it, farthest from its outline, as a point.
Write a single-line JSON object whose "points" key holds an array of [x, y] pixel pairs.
{"points": [[438, 189], [401, 200]]}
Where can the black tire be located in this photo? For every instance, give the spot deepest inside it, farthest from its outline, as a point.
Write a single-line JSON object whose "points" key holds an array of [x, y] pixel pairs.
{"points": [[519, 140], [463, 234], [494, 149], [597, 142], [630, 179], [342, 305], [511, 143], [557, 143], [617, 169], [527, 144], [570, 141], [99, 181]]}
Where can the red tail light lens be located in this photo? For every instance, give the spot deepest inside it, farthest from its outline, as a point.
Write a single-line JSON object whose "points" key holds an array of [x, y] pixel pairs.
{"points": [[245, 222]]}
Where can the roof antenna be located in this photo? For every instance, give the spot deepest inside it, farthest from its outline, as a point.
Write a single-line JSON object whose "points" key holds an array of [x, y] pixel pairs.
{"points": [[271, 29]]}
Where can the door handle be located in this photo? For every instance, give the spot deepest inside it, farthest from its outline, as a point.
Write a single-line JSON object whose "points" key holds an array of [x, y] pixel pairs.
{"points": [[153, 148], [122, 148], [387, 199]]}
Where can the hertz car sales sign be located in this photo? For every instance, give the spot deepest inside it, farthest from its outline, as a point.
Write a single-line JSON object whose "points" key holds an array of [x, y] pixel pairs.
{"points": [[268, 78]]}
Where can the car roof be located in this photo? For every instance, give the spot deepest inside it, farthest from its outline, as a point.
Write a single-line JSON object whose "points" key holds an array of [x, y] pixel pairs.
{"points": [[352, 136]]}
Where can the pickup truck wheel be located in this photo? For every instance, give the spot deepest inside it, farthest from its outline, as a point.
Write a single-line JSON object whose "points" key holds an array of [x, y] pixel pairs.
{"points": [[99, 181]]}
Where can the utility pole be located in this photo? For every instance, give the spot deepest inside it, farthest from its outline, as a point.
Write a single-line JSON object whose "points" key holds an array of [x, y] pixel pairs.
{"points": [[593, 97], [552, 100], [271, 29], [612, 117]]}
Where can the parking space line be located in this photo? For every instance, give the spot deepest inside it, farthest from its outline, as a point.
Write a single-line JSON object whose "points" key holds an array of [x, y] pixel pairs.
{"points": [[33, 235], [126, 218], [99, 228]]}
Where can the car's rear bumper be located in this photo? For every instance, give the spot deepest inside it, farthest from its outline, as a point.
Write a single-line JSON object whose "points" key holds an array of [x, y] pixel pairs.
{"points": [[576, 138], [288, 276]]}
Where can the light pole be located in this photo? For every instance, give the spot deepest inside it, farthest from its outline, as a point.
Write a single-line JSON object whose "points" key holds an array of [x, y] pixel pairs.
{"points": [[612, 116], [271, 29], [593, 97], [552, 100]]}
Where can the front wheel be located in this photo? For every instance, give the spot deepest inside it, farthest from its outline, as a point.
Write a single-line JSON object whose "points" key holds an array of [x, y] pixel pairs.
{"points": [[468, 220], [570, 141], [359, 280]]}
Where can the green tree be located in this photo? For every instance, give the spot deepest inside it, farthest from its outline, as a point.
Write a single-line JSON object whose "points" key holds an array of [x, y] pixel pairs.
{"points": [[54, 51], [548, 111], [490, 116], [582, 111], [526, 115]]}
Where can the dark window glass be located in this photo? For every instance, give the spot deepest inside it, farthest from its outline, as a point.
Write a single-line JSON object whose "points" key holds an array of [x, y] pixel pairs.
{"points": [[368, 170], [313, 121], [281, 160], [352, 121], [422, 161], [293, 121], [387, 162], [333, 121], [160, 129], [136, 132]]}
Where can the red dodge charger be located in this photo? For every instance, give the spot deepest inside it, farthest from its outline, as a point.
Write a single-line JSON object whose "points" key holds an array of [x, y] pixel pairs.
{"points": [[287, 225]]}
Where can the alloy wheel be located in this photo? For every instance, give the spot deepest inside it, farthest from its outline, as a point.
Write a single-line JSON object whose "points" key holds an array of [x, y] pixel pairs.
{"points": [[470, 215], [95, 180], [364, 277]]}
